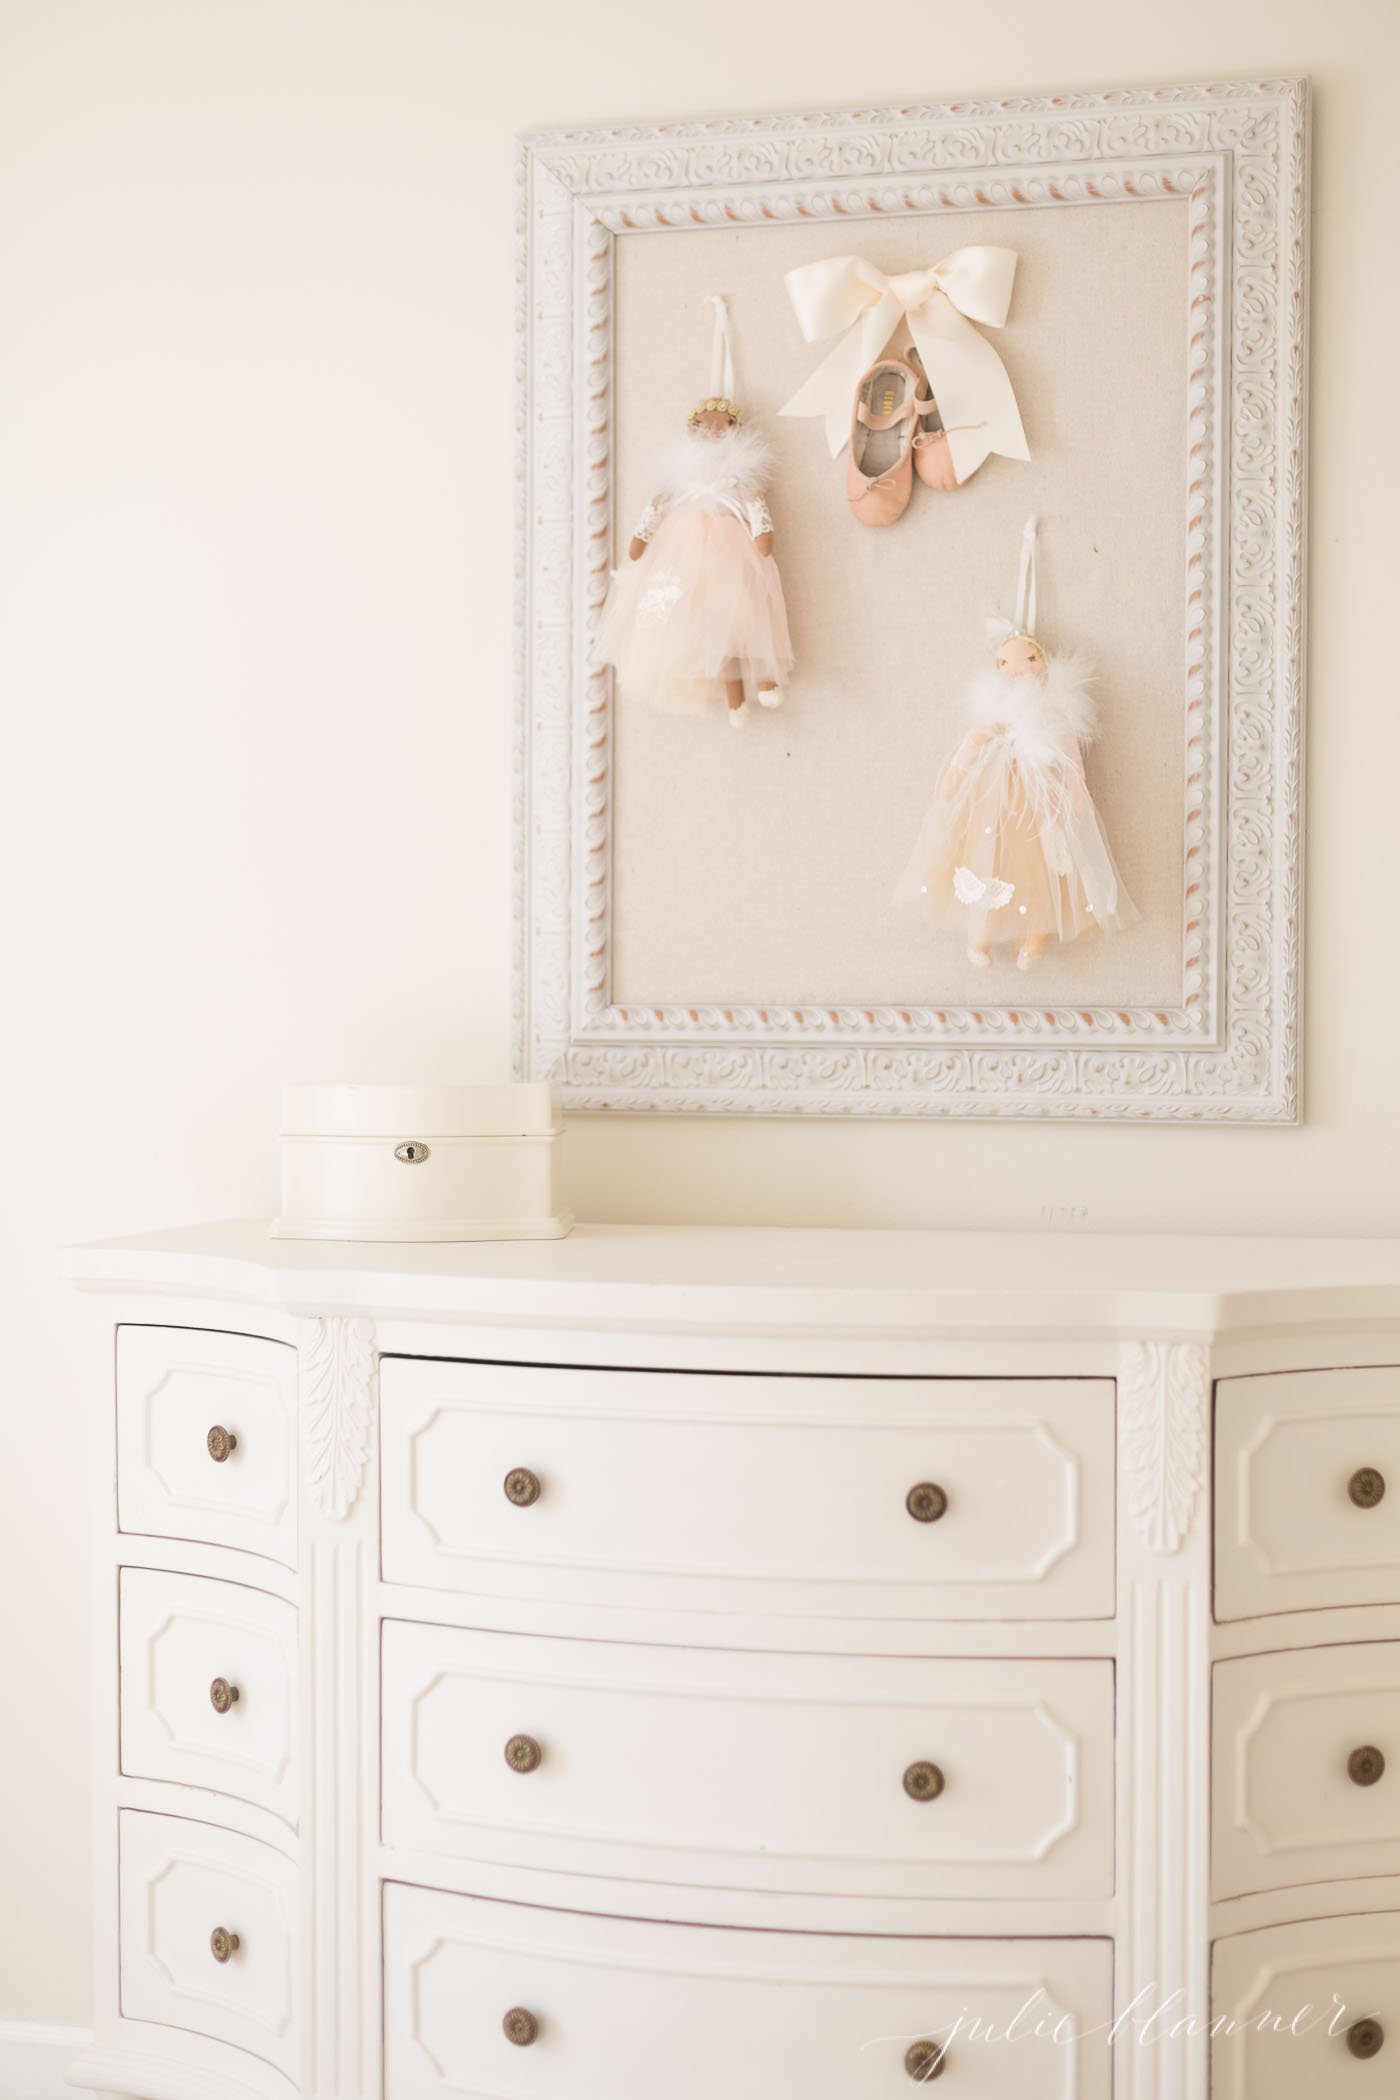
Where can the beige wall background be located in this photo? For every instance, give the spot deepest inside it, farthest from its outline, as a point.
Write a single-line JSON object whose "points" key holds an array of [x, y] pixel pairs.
{"points": [[256, 279]]}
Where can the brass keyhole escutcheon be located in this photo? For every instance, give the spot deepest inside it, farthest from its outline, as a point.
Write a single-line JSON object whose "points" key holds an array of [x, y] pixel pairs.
{"points": [[522, 1487], [220, 1442], [925, 2061], [523, 1754], [1366, 1765], [520, 2027], [924, 1782], [223, 1695], [223, 1944], [926, 1503], [1366, 2038], [1366, 1487], [411, 1153]]}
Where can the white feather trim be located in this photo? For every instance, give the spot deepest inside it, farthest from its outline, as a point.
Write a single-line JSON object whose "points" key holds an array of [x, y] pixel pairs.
{"points": [[1043, 715], [694, 469]]}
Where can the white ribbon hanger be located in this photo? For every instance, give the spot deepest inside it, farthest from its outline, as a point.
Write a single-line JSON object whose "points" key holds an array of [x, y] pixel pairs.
{"points": [[721, 350], [849, 297], [1024, 622]]}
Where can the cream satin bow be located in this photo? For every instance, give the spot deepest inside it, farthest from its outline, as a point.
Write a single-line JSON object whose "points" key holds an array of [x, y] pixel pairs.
{"points": [[850, 297]]}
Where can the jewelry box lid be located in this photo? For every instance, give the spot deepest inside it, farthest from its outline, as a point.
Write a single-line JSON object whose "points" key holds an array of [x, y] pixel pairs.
{"points": [[516, 1110]]}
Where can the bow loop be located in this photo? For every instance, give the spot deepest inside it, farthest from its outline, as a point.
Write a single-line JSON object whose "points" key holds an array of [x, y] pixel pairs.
{"points": [[848, 297]]}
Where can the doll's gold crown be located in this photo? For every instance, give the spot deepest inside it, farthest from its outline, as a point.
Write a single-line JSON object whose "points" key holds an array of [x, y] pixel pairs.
{"points": [[718, 404], [1020, 634]]}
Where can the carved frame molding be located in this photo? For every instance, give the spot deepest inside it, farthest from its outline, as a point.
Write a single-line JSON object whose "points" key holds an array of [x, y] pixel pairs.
{"points": [[1230, 1048]]}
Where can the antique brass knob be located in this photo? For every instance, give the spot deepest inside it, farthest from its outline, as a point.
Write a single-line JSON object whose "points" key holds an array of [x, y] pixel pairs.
{"points": [[520, 2027], [523, 1753], [522, 1487], [223, 1695], [923, 1782], [1366, 2038], [925, 2060], [223, 1945], [1366, 1765], [220, 1441], [926, 1503], [1366, 1487]]}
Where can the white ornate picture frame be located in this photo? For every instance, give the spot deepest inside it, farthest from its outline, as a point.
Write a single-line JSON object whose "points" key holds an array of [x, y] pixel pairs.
{"points": [[1228, 1049]]}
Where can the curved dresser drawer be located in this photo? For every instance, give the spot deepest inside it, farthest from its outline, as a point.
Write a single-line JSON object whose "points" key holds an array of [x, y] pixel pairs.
{"points": [[182, 1884], [606, 2007], [911, 1498], [208, 1679], [1307, 1506], [1307, 1767], [206, 1426], [755, 1771], [1315, 2010]]}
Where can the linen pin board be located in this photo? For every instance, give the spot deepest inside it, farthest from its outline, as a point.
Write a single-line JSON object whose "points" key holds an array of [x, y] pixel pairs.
{"points": [[794, 833]]}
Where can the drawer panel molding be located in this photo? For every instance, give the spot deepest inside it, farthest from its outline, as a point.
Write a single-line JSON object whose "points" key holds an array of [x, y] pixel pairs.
{"points": [[1308, 2011], [1307, 1491], [1307, 1767], [775, 1772], [189, 1892], [206, 1439], [208, 1687], [613, 2006], [841, 1497]]}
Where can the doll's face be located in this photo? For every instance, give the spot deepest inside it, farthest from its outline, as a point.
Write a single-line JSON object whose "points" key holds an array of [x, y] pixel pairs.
{"points": [[1020, 657], [713, 424]]}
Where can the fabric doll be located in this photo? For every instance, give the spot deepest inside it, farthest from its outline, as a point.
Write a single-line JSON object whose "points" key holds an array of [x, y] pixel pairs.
{"points": [[1012, 838], [697, 614]]}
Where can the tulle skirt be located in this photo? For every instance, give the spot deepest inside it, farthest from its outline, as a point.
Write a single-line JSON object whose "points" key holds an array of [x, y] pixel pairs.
{"points": [[701, 606], [1021, 851]]}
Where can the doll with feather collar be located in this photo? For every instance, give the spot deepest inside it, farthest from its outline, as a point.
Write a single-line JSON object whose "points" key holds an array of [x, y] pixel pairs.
{"points": [[697, 614], [1012, 842]]}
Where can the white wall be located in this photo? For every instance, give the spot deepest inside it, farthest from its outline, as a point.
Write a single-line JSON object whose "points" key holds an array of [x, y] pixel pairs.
{"points": [[255, 358]]}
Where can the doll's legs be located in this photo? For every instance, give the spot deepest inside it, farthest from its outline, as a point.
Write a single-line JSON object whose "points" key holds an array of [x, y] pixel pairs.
{"points": [[737, 679], [979, 938]]}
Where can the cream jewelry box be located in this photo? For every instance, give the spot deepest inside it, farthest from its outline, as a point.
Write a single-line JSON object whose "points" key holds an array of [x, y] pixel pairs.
{"points": [[419, 1163]]}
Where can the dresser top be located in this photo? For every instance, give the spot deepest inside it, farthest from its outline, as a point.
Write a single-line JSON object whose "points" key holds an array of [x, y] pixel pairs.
{"points": [[677, 1277]]}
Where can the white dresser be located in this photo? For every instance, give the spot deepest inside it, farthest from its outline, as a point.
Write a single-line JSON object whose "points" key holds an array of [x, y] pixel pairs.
{"points": [[732, 1665]]}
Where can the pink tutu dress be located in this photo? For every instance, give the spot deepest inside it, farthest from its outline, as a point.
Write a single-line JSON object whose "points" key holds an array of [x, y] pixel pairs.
{"points": [[702, 606], [1012, 841]]}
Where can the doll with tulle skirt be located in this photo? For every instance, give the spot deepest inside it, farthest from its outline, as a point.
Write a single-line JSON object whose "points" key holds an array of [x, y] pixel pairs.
{"points": [[697, 614], [1012, 844]]}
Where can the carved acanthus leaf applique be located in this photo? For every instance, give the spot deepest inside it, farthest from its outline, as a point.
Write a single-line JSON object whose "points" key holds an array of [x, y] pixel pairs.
{"points": [[337, 1408], [1163, 1396]]}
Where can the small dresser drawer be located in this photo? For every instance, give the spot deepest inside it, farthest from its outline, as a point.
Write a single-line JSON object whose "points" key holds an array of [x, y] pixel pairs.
{"points": [[1331, 1991], [754, 1771], [839, 1497], [1307, 1511], [486, 1998], [1307, 1767], [188, 1892], [206, 1426], [208, 1677]]}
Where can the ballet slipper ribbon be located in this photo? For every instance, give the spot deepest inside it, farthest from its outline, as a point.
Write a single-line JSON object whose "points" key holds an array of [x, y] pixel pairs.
{"points": [[849, 297]]}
